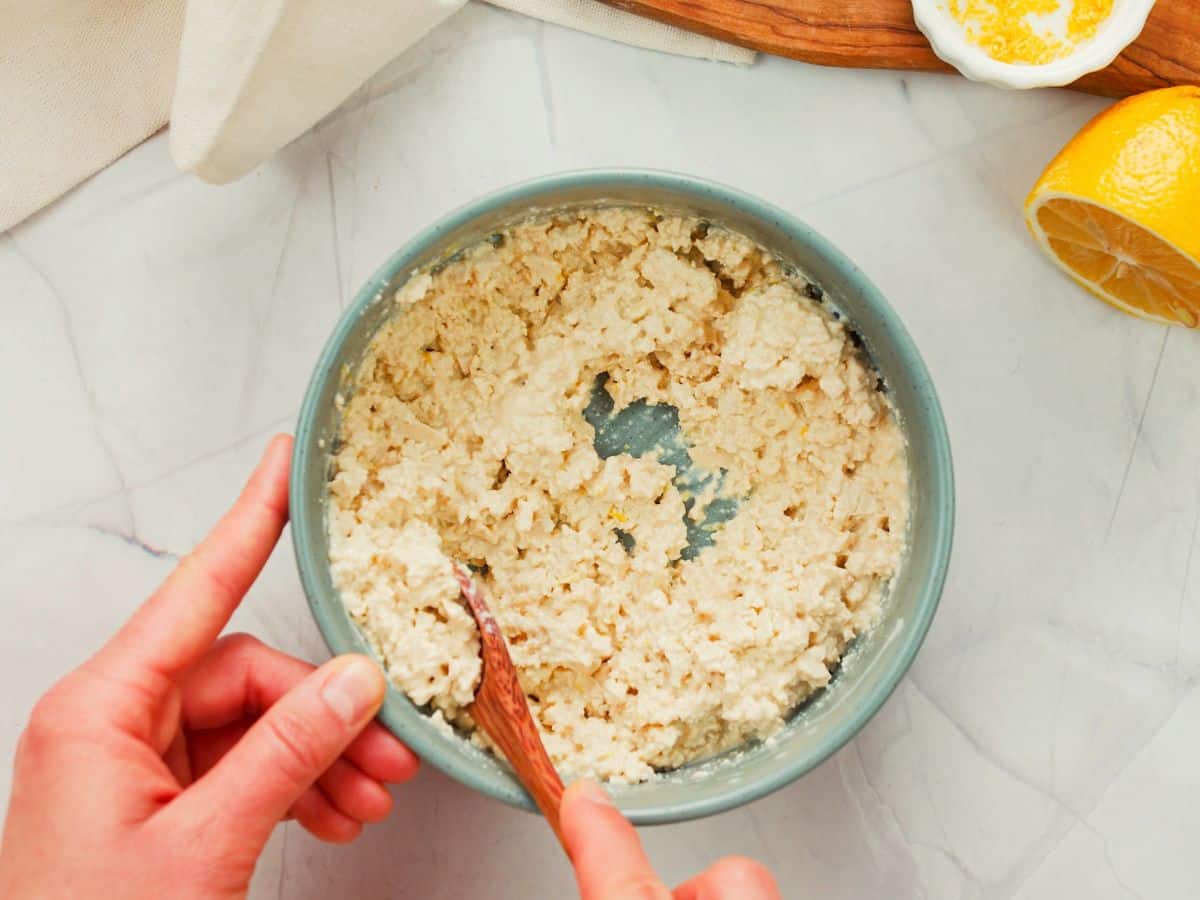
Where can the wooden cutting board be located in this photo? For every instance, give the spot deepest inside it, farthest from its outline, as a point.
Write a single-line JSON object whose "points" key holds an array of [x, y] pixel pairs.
{"points": [[880, 34]]}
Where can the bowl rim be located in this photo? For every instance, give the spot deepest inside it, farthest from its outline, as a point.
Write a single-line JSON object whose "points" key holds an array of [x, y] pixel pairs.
{"points": [[1126, 22], [941, 507]]}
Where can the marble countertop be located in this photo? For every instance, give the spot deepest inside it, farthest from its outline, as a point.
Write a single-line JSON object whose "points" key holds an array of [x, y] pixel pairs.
{"points": [[159, 330]]}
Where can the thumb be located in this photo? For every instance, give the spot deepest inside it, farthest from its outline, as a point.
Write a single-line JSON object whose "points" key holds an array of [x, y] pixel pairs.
{"points": [[288, 748], [609, 861]]}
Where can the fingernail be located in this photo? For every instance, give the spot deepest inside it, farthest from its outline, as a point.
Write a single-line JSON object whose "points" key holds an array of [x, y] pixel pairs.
{"points": [[353, 690], [592, 792]]}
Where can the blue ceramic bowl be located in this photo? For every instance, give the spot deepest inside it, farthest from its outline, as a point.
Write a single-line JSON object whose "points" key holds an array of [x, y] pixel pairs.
{"points": [[876, 661]]}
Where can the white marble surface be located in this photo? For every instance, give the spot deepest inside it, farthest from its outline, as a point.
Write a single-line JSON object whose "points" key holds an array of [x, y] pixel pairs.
{"points": [[158, 330]]}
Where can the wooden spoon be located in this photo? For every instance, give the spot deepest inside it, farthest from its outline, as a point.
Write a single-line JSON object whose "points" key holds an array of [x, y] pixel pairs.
{"points": [[500, 709]]}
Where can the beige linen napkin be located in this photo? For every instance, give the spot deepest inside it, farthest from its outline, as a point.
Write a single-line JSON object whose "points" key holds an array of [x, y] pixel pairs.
{"points": [[618, 25], [83, 81], [254, 76]]}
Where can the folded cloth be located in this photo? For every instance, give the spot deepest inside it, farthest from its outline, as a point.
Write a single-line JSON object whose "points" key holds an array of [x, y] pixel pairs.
{"points": [[83, 81], [255, 76], [618, 25]]}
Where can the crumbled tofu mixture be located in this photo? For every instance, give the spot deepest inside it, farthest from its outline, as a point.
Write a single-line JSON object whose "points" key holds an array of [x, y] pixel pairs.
{"points": [[464, 438]]}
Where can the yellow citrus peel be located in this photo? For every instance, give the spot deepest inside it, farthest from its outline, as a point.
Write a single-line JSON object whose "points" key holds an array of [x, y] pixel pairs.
{"points": [[1119, 208]]}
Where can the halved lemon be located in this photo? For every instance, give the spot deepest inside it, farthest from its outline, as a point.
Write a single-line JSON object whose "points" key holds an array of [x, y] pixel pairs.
{"points": [[1119, 208]]}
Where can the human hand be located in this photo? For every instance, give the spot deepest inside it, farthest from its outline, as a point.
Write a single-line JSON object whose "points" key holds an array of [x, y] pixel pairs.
{"points": [[160, 766], [610, 863]]}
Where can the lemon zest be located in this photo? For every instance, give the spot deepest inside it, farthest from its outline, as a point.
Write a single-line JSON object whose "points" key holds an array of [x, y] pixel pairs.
{"points": [[1086, 19], [1008, 30]]}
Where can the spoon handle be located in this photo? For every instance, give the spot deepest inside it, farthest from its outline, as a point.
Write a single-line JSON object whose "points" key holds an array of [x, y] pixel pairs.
{"points": [[510, 725], [501, 710]]}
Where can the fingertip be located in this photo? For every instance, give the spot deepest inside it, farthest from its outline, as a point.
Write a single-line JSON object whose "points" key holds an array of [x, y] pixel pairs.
{"points": [[731, 876], [584, 790], [323, 820], [343, 831], [383, 805], [353, 687], [406, 768], [355, 793], [370, 671], [742, 871], [581, 801], [398, 769], [383, 756], [604, 846], [277, 458], [365, 668], [279, 443]]}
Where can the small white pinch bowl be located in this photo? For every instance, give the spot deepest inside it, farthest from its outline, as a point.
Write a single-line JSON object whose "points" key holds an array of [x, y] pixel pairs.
{"points": [[949, 42]]}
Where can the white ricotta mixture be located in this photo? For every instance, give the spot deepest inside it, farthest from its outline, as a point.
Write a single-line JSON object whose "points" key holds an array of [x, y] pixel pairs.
{"points": [[465, 438]]}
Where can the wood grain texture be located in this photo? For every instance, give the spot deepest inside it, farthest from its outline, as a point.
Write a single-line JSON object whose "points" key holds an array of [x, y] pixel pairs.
{"points": [[880, 34], [501, 710]]}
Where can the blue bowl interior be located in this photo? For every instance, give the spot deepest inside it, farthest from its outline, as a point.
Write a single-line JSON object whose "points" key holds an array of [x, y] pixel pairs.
{"points": [[876, 661]]}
